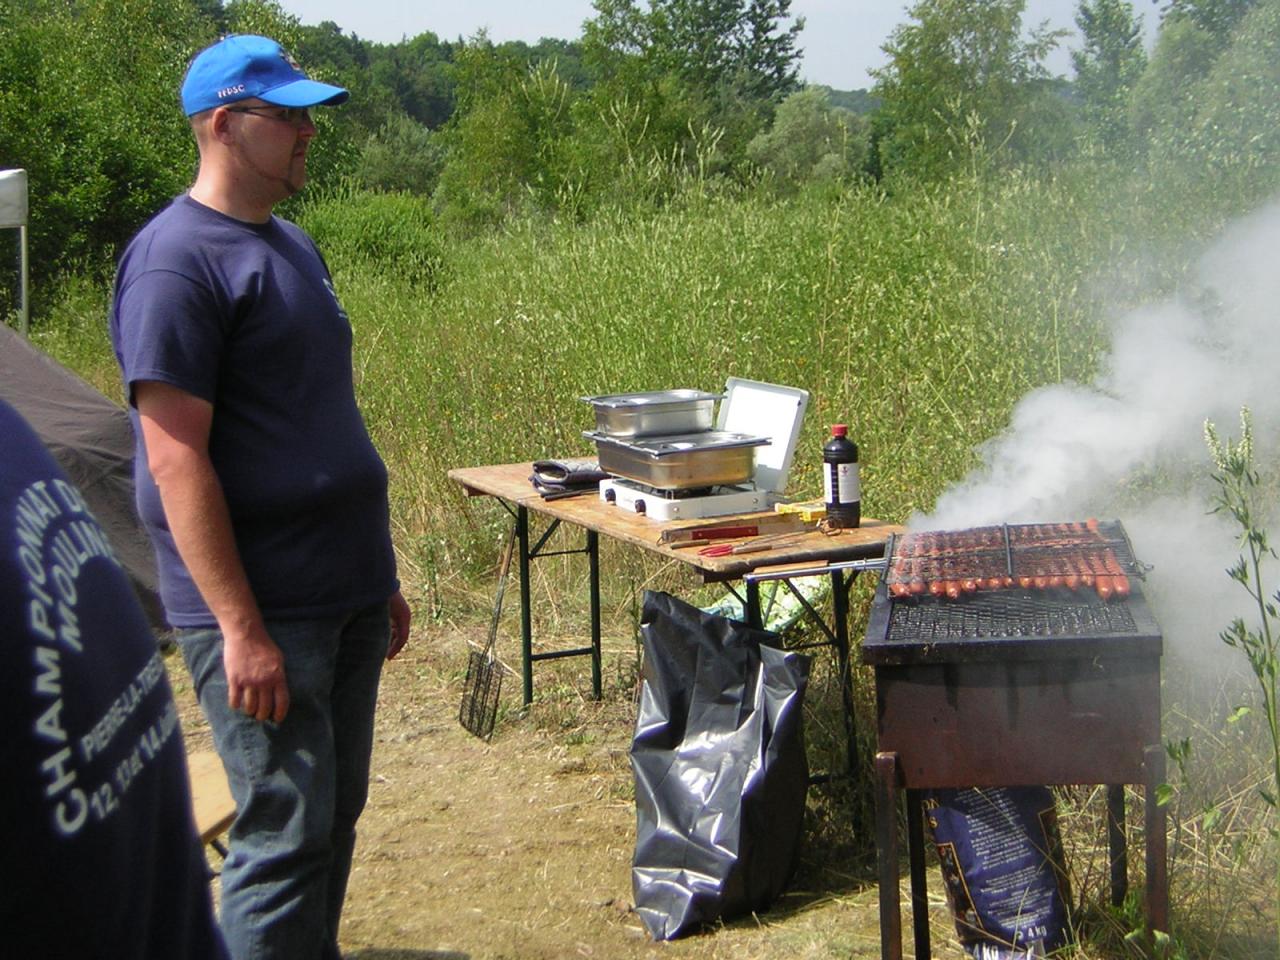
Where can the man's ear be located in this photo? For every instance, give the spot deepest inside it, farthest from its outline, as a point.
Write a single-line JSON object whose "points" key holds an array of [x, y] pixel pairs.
{"points": [[220, 124]]}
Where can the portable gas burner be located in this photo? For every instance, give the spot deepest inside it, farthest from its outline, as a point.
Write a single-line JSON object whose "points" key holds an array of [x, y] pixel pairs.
{"points": [[740, 466], [659, 504]]}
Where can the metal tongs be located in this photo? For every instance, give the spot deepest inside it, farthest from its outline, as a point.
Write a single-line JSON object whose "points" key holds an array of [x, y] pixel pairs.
{"points": [[760, 576]]}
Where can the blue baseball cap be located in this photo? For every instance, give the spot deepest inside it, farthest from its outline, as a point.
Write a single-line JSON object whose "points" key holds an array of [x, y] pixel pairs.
{"points": [[242, 66]]}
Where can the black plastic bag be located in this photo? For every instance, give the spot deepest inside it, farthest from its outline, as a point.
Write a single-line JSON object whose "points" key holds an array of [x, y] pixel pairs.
{"points": [[720, 768]]}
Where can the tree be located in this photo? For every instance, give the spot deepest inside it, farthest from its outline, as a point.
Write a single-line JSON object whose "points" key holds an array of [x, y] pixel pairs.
{"points": [[961, 78], [1163, 100], [810, 140], [739, 46], [419, 75], [1221, 122], [505, 138], [1108, 66], [700, 72], [1218, 18], [88, 106]]}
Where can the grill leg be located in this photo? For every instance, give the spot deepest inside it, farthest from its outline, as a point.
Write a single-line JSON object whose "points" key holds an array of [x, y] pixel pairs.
{"points": [[919, 894], [1117, 845], [887, 856], [1157, 842]]}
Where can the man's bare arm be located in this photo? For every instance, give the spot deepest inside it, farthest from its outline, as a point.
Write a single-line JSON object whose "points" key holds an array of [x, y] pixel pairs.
{"points": [[175, 429]]}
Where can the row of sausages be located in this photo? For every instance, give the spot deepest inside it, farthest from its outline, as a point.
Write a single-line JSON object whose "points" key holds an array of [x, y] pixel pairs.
{"points": [[934, 543], [1073, 569]]}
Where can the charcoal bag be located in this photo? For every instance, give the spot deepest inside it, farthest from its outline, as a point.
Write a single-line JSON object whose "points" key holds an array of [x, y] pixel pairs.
{"points": [[1002, 862], [720, 769]]}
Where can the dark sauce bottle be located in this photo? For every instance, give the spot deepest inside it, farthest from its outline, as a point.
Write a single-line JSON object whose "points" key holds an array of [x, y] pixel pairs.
{"points": [[840, 479]]}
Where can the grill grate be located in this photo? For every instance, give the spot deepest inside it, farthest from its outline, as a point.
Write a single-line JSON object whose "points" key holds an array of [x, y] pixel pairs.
{"points": [[1009, 613], [1017, 618]]}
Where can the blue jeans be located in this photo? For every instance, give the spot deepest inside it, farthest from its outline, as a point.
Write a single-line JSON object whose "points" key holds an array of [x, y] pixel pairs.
{"points": [[299, 785]]}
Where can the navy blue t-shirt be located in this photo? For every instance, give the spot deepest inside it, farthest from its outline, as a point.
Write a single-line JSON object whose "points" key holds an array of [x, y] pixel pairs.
{"points": [[99, 847], [245, 316]]}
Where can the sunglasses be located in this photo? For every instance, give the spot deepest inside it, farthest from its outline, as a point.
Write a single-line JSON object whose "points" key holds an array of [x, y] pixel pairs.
{"points": [[294, 116]]}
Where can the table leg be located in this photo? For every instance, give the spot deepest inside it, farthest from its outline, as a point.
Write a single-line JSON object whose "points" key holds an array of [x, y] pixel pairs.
{"points": [[526, 614], [1157, 842], [840, 616], [755, 618], [1117, 844], [593, 563], [887, 856]]}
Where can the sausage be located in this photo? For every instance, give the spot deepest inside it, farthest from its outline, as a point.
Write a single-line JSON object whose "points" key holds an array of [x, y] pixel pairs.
{"points": [[1086, 572], [1102, 581], [1055, 571], [1118, 580]]}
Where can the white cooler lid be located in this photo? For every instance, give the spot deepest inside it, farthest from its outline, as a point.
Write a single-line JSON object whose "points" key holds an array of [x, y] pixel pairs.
{"points": [[13, 198], [765, 410]]}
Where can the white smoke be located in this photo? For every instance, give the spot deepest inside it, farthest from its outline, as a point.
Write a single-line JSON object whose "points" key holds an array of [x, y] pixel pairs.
{"points": [[1136, 435]]}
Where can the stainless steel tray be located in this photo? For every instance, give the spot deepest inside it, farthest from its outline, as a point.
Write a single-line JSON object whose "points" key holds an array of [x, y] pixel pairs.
{"points": [[711, 458], [654, 413]]}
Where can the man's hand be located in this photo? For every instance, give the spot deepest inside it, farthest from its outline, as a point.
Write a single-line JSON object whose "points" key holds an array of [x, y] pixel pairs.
{"points": [[255, 675], [400, 617]]}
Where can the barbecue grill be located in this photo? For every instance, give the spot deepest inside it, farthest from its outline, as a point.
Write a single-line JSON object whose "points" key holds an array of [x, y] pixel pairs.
{"points": [[1014, 655]]}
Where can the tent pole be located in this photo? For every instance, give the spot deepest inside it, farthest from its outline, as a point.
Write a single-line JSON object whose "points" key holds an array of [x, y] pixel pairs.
{"points": [[24, 315]]}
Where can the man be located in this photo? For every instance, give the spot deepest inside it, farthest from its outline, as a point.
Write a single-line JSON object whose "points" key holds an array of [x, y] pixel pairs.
{"points": [[263, 493], [100, 852]]}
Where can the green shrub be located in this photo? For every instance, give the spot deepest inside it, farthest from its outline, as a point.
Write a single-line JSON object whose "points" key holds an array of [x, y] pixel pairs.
{"points": [[391, 234], [403, 156]]}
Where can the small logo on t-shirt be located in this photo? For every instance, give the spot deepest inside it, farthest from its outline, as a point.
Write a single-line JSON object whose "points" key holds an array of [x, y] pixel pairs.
{"points": [[328, 285]]}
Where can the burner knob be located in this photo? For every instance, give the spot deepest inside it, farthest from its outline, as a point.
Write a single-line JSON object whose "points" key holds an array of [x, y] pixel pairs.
{"points": [[639, 505], [610, 495]]}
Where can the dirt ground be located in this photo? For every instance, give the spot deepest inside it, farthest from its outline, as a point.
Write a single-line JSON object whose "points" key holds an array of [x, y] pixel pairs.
{"points": [[520, 849]]}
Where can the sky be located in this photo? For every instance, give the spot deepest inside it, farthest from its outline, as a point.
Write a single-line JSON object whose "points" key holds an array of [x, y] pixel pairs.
{"points": [[841, 39]]}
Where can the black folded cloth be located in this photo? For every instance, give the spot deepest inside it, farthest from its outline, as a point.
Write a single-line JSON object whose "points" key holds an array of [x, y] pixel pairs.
{"points": [[566, 478]]}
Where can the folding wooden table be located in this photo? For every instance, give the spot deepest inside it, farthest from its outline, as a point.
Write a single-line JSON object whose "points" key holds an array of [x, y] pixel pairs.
{"points": [[510, 485]]}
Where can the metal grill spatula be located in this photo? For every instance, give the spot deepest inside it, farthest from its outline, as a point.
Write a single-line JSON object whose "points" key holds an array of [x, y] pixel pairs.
{"points": [[480, 690]]}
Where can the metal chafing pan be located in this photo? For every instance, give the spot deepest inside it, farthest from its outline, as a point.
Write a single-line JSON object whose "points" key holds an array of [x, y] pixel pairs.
{"points": [[710, 458], [655, 413]]}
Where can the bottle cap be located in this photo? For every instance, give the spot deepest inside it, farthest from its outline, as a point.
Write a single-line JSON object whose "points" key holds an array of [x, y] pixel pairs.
{"points": [[839, 429]]}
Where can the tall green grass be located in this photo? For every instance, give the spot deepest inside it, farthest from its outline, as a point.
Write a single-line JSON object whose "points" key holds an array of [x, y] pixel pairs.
{"points": [[919, 320]]}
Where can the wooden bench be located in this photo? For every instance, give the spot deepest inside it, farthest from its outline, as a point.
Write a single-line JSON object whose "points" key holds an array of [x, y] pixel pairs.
{"points": [[210, 797]]}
